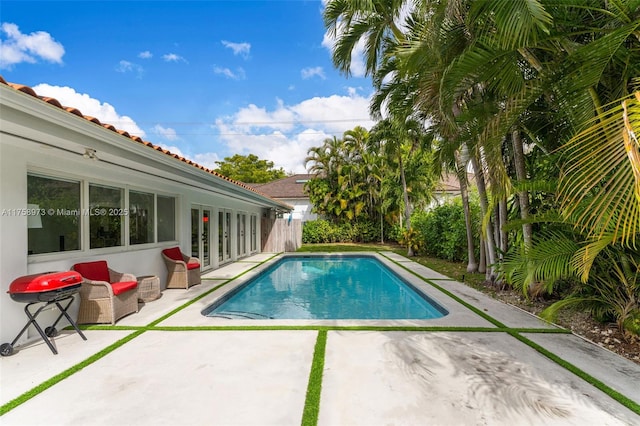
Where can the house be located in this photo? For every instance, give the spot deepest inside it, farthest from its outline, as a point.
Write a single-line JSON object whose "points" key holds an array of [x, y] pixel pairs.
{"points": [[290, 190], [447, 189], [73, 189]]}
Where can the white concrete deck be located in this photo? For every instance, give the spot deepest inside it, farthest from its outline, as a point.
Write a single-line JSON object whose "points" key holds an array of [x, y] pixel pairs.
{"points": [[260, 377]]}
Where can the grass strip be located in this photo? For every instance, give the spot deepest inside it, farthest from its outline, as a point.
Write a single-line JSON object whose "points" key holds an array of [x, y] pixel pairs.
{"points": [[66, 373], [108, 327], [314, 388], [465, 329], [632, 405], [448, 293]]}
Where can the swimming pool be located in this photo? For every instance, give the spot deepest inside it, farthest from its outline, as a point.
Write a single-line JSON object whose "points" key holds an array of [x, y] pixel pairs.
{"points": [[326, 287]]}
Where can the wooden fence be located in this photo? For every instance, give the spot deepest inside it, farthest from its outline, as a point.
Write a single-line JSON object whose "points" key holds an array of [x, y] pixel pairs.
{"points": [[281, 234]]}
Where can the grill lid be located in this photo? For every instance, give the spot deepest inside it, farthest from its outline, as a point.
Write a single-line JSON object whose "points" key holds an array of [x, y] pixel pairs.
{"points": [[44, 281]]}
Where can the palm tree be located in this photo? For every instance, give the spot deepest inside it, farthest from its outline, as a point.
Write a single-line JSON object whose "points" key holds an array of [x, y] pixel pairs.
{"points": [[350, 21]]}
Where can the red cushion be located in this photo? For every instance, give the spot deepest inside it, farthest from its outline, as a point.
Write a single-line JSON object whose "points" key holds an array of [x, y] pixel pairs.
{"points": [[123, 286], [193, 265], [94, 271], [173, 253]]}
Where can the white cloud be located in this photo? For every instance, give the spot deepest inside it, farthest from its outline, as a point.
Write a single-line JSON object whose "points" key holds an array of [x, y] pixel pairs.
{"points": [[172, 57], [207, 159], [166, 132], [16, 47], [145, 55], [104, 112], [126, 66], [285, 133], [239, 74], [241, 49], [313, 72]]}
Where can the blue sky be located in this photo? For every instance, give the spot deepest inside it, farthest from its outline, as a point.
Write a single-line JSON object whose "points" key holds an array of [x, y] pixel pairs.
{"points": [[205, 79]]}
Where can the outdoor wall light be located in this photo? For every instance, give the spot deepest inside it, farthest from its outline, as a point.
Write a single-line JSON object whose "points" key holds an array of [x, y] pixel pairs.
{"points": [[90, 153]]}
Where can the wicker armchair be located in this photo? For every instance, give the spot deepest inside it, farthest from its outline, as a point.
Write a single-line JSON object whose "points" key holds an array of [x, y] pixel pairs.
{"points": [[105, 295], [183, 270]]}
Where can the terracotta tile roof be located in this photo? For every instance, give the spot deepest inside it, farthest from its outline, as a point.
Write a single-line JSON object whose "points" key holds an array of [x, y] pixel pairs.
{"points": [[52, 101], [289, 187]]}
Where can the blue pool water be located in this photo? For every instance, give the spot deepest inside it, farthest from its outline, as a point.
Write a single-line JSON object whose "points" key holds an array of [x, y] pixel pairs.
{"points": [[344, 287]]}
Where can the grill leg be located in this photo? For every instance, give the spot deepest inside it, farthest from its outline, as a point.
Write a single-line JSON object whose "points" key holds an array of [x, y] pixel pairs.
{"points": [[21, 333], [63, 312], [32, 320]]}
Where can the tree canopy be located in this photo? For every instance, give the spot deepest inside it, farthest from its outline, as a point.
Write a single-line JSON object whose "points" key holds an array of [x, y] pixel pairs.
{"points": [[542, 98], [249, 169]]}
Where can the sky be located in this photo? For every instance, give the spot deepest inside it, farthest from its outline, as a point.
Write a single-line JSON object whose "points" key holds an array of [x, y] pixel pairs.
{"points": [[204, 79]]}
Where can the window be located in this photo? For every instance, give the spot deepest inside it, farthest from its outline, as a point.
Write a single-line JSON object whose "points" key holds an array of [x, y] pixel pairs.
{"points": [[57, 227], [141, 218], [105, 216], [166, 218]]}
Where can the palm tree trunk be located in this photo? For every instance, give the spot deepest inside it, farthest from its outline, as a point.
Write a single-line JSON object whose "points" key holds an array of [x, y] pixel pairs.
{"points": [[523, 196], [496, 229], [407, 207], [381, 228], [484, 206], [461, 173], [482, 266], [504, 237]]}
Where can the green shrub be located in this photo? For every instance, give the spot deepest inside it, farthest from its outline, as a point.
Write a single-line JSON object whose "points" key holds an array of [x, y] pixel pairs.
{"points": [[411, 239], [442, 231], [366, 231], [394, 233], [323, 231], [317, 231]]}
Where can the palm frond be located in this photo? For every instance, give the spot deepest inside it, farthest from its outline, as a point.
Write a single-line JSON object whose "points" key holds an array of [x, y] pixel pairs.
{"points": [[600, 171]]}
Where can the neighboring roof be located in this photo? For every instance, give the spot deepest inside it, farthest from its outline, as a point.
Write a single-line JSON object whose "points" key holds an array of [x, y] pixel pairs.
{"points": [[289, 187], [449, 182], [71, 110]]}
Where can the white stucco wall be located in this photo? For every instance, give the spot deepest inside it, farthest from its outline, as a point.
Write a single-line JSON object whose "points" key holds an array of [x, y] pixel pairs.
{"points": [[302, 209], [29, 143]]}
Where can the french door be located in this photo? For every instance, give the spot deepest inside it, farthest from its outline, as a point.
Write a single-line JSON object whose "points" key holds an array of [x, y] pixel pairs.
{"points": [[224, 235], [242, 241], [201, 235]]}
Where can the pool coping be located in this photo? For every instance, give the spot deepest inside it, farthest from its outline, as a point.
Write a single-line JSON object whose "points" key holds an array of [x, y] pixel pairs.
{"points": [[460, 313]]}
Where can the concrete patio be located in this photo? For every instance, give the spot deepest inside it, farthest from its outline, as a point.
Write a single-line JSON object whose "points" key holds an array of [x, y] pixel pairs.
{"points": [[179, 367]]}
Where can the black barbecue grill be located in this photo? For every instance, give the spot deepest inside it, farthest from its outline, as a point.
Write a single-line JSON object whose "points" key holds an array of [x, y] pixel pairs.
{"points": [[48, 288]]}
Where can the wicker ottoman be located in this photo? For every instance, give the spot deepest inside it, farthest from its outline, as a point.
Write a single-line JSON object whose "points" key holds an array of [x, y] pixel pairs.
{"points": [[148, 288]]}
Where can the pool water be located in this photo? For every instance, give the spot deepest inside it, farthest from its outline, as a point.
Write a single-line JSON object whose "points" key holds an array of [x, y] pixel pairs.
{"points": [[343, 287]]}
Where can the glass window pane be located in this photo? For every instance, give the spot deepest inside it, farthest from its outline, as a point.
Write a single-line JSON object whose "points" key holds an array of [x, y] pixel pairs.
{"points": [[105, 216], [254, 226], [195, 231], [166, 218], [141, 218], [59, 226]]}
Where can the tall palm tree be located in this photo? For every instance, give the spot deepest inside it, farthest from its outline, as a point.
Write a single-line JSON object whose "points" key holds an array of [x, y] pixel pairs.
{"points": [[350, 21]]}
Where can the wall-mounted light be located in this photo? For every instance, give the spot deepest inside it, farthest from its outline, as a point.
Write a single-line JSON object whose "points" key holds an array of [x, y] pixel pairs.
{"points": [[90, 153]]}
